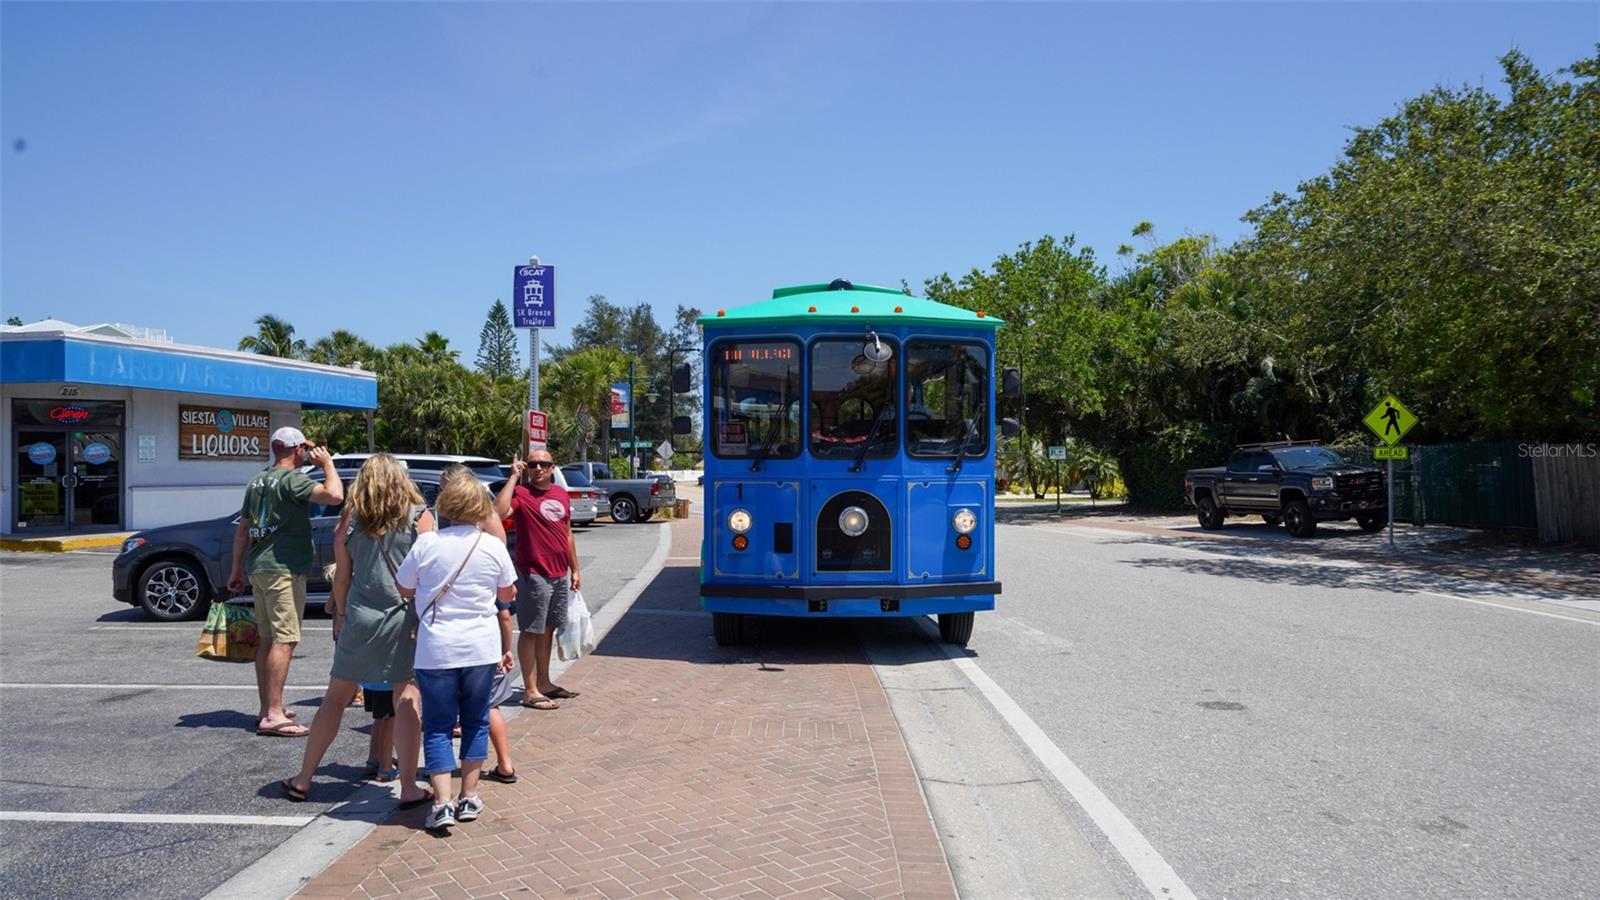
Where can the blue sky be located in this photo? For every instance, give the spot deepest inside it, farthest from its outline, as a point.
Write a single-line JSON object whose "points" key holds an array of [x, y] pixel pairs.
{"points": [[382, 167]]}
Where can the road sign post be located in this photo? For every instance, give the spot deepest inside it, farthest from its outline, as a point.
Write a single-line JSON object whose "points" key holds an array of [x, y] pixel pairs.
{"points": [[1057, 454], [1390, 420], [533, 306]]}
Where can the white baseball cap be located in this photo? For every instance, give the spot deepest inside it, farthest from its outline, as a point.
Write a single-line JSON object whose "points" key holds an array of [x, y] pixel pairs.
{"points": [[288, 437]]}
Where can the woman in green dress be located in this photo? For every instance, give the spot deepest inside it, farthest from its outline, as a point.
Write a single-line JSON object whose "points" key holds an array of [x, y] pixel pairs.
{"points": [[373, 626]]}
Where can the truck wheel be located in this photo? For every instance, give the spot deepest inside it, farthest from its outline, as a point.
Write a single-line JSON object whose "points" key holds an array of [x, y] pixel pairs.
{"points": [[623, 510], [727, 628], [174, 590], [1271, 519], [1370, 523], [1298, 519], [955, 628], [1210, 516]]}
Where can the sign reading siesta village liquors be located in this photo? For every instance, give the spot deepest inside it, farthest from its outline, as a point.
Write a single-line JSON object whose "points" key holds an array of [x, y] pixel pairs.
{"points": [[223, 434]]}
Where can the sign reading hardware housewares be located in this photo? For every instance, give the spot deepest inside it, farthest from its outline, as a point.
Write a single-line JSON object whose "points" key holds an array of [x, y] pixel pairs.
{"points": [[224, 434]]}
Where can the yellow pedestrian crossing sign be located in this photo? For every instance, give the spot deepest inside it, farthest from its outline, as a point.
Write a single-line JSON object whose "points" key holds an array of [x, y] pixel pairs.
{"points": [[1390, 420]]}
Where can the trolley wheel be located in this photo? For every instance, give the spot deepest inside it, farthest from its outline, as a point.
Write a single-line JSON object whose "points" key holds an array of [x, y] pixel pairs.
{"points": [[728, 628], [955, 628]]}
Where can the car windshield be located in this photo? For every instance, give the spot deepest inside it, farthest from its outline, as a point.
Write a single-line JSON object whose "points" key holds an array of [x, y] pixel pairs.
{"points": [[1308, 458], [576, 478]]}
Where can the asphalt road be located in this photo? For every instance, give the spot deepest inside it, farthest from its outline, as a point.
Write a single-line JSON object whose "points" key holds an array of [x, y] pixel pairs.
{"points": [[106, 714], [1282, 729]]}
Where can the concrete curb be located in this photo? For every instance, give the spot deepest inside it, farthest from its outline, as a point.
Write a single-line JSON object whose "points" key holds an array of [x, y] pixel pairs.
{"points": [[290, 866], [64, 544]]}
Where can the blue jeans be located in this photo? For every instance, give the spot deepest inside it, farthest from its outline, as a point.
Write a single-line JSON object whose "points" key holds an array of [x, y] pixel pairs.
{"points": [[449, 695]]}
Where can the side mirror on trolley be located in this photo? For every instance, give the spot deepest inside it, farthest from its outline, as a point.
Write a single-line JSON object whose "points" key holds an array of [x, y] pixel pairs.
{"points": [[1010, 428], [682, 378], [1011, 382], [682, 425]]}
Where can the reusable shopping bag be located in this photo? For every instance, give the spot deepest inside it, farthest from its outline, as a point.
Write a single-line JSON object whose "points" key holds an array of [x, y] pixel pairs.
{"points": [[229, 634], [576, 637]]}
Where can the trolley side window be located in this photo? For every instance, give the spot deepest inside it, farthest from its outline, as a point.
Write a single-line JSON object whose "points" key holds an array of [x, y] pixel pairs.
{"points": [[755, 399], [947, 383], [852, 400]]}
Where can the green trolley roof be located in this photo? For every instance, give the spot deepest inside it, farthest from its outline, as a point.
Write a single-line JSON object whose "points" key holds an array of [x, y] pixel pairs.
{"points": [[867, 304]]}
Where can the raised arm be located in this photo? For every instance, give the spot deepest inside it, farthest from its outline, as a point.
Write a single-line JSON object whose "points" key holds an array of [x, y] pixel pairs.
{"points": [[502, 501], [331, 491]]}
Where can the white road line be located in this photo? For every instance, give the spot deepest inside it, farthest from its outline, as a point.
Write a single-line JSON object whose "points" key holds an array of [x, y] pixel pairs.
{"points": [[155, 819], [1158, 877], [127, 686], [683, 559], [1531, 612]]}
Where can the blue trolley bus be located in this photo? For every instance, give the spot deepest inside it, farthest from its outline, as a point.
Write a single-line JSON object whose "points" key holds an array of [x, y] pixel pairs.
{"points": [[849, 458]]}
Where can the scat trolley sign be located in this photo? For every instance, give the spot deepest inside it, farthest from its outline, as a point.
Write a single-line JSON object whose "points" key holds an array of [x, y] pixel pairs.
{"points": [[849, 464]]}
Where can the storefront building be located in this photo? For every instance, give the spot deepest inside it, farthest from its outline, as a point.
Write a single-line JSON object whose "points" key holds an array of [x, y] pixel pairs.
{"points": [[111, 433]]}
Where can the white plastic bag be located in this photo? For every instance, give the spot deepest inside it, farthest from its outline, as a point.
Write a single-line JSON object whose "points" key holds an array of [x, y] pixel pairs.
{"points": [[576, 637]]}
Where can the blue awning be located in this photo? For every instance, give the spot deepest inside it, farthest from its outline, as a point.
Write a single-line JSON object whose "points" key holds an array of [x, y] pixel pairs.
{"points": [[150, 366]]}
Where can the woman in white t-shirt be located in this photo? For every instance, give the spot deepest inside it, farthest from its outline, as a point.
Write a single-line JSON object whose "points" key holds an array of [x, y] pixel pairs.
{"points": [[454, 576]]}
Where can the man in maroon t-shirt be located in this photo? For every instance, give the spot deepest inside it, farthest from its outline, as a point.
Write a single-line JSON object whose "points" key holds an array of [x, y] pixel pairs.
{"points": [[546, 558]]}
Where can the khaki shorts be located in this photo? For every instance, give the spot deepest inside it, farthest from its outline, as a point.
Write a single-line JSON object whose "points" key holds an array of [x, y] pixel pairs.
{"points": [[280, 604]]}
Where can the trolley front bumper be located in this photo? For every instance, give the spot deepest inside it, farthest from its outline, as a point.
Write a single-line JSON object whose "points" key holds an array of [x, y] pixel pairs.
{"points": [[806, 600]]}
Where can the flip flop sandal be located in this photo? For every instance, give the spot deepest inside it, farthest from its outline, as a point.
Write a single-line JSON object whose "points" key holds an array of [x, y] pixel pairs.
{"points": [[495, 775], [282, 730], [560, 693], [542, 703], [292, 793]]}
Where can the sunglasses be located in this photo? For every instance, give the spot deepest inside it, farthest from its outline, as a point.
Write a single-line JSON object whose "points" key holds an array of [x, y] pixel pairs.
{"points": [[536, 464]]}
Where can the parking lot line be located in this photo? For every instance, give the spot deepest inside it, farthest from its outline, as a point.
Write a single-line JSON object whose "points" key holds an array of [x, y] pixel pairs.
{"points": [[124, 686], [155, 819]]}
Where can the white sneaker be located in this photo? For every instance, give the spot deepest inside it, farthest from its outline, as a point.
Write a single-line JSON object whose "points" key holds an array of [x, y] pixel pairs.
{"points": [[441, 817], [468, 808]]}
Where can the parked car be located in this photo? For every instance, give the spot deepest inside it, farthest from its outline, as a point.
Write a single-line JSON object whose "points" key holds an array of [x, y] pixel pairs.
{"points": [[484, 467], [173, 572], [1299, 483], [632, 499], [589, 501]]}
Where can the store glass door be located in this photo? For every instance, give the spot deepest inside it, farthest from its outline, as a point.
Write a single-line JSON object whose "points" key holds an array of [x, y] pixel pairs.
{"points": [[68, 464], [96, 479], [42, 470]]}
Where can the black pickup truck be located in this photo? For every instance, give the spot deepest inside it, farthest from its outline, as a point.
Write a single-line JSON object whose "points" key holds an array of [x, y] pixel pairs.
{"points": [[1296, 482]]}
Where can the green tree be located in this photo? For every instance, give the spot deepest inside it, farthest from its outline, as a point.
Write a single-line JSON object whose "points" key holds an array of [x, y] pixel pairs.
{"points": [[435, 348], [579, 389], [342, 348], [497, 344], [273, 337], [1451, 257], [13, 320]]}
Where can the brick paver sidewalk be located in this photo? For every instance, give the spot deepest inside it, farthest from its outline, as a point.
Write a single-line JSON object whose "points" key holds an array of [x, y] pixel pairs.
{"points": [[685, 769]]}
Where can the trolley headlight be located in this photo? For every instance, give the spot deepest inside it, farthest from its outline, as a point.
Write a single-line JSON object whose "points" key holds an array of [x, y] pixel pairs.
{"points": [[739, 521], [853, 521], [964, 521]]}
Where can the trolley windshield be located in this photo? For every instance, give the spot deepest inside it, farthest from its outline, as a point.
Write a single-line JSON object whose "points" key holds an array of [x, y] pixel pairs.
{"points": [[852, 400], [946, 383], [755, 393]]}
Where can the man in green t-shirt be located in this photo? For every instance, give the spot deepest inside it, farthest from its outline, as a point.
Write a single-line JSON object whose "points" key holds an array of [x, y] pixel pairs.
{"points": [[272, 545]]}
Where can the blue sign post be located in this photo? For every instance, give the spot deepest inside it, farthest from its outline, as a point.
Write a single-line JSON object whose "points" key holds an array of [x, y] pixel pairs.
{"points": [[533, 296]]}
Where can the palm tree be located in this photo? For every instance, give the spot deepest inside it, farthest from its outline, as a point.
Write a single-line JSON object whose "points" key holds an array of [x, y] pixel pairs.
{"points": [[273, 337], [342, 348], [580, 386], [436, 347]]}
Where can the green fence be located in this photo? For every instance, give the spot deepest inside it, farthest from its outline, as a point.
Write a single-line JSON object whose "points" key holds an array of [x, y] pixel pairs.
{"points": [[1476, 485]]}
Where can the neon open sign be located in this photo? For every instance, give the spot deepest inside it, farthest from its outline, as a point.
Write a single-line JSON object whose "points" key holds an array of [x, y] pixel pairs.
{"points": [[69, 415]]}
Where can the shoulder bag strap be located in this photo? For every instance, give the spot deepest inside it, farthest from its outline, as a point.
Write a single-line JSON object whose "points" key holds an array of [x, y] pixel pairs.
{"points": [[433, 604]]}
